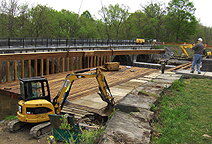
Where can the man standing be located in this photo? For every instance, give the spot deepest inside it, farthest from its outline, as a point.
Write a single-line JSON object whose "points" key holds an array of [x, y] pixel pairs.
{"points": [[198, 51]]}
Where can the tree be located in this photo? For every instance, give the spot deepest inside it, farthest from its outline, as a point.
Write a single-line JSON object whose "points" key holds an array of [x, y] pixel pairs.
{"points": [[86, 14], [88, 26], [23, 21], [41, 21], [181, 19], [113, 16], [9, 11], [155, 14], [133, 26]]}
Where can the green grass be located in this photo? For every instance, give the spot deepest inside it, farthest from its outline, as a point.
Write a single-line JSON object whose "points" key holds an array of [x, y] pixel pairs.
{"points": [[185, 113], [12, 117]]}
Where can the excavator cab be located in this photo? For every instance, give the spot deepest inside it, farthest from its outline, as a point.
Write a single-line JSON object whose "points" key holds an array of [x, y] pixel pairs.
{"points": [[34, 88]]}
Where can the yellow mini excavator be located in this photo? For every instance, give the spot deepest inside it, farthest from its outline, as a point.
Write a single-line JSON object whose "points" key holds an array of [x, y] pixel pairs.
{"points": [[206, 53], [35, 104], [140, 41], [184, 46]]}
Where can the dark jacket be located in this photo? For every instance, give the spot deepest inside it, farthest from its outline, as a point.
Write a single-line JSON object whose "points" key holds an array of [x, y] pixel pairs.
{"points": [[198, 48]]}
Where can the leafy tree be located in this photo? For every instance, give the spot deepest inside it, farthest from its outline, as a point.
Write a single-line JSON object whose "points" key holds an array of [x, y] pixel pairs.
{"points": [[155, 14], [41, 20], [9, 11], [113, 16], [86, 14], [87, 27], [23, 21], [64, 22], [134, 26], [181, 19]]}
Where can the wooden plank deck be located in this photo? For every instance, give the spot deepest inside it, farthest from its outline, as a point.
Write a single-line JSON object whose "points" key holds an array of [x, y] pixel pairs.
{"points": [[82, 87]]}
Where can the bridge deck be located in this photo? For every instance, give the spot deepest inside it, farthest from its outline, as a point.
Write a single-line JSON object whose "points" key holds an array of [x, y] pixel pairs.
{"points": [[81, 87]]}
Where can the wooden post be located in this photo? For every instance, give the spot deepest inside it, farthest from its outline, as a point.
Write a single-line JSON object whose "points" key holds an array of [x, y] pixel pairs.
{"points": [[76, 63], [22, 68], [101, 58], [47, 66], [97, 60], [80, 62], [88, 62], [84, 58], [67, 64], [104, 59], [109, 58], [29, 68], [0, 72], [52, 69], [94, 61], [35, 67], [58, 65], [41, 67], [63, 66], [15, 70], [7, 71], [72, 63]]}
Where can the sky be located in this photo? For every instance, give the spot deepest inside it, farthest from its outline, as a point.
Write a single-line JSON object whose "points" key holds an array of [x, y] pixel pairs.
{"points": [[202, 13]]}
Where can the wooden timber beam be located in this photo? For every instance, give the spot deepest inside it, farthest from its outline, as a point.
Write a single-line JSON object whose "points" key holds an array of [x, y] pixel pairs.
{"points": [[180, 66], [47, 55]]}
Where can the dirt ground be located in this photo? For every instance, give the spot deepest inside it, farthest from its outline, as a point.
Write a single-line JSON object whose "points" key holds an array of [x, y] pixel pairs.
{"points": [[20, 137]]}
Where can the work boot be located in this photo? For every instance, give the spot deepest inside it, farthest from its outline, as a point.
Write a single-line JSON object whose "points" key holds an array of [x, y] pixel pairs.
{"points": [[192, 72]]}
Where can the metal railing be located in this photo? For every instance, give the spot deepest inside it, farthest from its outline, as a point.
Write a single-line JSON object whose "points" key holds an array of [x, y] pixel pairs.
{"points": [[58, 42]]}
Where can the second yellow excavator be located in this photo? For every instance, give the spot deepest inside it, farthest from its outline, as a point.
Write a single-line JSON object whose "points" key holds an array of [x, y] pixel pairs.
{"points": [[185, 46], [35, 104]]}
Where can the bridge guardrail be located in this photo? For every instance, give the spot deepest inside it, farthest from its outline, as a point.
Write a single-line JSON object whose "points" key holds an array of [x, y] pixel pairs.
{"points": [[56, 42]]}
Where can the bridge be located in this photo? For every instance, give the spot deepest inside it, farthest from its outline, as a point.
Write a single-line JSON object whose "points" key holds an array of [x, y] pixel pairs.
{"points": [[19, 65]]}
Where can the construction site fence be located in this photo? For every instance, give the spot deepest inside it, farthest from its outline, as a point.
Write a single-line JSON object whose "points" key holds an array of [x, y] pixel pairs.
{"points": [[180, 43]]}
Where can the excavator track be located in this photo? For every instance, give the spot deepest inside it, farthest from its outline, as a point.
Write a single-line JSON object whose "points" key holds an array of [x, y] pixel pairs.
{"points": [[16, 125], [41, 130]]}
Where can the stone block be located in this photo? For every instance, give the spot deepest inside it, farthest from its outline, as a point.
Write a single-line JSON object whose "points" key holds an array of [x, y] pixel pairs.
{"points": [[131, 103], [124, 128]]}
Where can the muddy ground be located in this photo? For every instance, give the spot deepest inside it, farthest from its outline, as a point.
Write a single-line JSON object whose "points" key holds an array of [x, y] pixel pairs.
{"points": [[21, 137]]}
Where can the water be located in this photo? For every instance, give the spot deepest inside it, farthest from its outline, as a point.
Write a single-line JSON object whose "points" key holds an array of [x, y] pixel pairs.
{"points": [[8, 106]]}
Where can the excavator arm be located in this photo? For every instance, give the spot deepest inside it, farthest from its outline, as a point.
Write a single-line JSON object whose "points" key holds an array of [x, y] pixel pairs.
{"points": [[105, 93], [184, 46]]}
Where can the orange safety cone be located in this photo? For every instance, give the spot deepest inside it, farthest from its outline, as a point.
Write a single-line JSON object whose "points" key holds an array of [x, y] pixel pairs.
{"points": [[205, 45], [163, 43]]}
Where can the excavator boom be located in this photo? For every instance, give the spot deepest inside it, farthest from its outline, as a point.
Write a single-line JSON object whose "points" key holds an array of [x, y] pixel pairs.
{"points": [[184, 46], [105, 93]]}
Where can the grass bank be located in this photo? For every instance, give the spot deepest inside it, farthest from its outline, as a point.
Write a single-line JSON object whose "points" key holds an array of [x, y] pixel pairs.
{"points": [[184, 113]]}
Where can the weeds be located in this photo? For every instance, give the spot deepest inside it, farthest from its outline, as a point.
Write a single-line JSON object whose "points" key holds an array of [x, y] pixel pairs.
{"points": [[85, 137], [143, 92], [12, 117], [112, 113], [158, 47], [153, 108]]}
